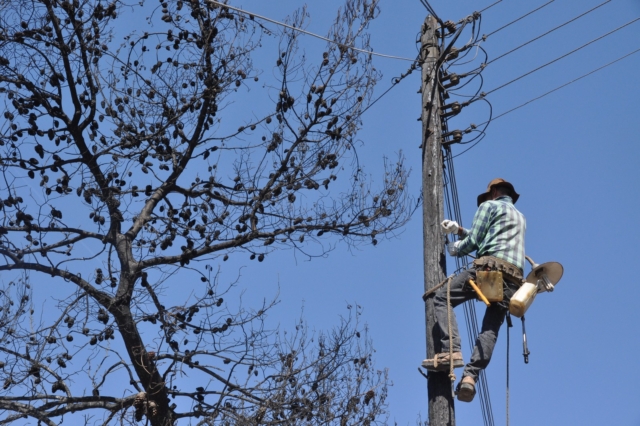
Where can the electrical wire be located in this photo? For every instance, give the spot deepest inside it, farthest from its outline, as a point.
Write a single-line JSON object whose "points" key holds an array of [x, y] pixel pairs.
{"points": [[490, 6], [563, 56], [394, 83], [452, 205], [478, 48], [466, 49], [548, 32], [472, 128], [300, 30], [564, 85], [445, 52], [432, 11], [472, 146], [476, 73], [522, 17]]}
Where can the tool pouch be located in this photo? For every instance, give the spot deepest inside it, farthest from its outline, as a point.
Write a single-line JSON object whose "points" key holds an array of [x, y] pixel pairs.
{"points": [[490, 283], [510, 272]]}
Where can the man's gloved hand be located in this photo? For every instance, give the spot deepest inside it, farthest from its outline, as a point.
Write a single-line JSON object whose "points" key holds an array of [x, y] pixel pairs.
{"points": [[450, 226], [453, 248]]}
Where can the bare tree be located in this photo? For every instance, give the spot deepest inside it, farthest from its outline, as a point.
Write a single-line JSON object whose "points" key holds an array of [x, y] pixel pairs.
{"points": [[122, 182]]}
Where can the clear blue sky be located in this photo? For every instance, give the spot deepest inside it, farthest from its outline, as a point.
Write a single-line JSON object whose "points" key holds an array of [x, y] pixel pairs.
{"points": [[573, 157]]}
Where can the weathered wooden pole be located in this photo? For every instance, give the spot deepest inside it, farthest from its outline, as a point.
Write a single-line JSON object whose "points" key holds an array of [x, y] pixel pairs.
{"points": [[441, 408]]}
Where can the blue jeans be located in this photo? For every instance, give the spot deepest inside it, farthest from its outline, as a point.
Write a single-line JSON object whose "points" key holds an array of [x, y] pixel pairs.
{"points": [[494, 316]]}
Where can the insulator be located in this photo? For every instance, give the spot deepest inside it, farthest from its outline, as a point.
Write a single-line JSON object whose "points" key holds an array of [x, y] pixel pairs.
{"points": [[453, 54], [454, 106], [454, 79], [445, 77], [450, 26], [456, 136], [455, 109]]}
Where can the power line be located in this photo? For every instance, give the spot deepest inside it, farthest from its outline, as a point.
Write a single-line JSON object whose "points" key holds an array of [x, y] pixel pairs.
{"points": [[564, 85], [300, 30], [561, 57], [548, 32], [483, 134], [394, 83], [431, 10], [522, 17], [395, 80], [472, 146], [490, 6], [542, 96]]}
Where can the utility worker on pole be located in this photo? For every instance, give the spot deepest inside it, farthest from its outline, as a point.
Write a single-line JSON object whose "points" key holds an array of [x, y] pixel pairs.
{"points": [[497, 234]]}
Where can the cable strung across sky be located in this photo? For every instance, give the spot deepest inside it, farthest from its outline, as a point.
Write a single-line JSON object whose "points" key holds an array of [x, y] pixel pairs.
{"points": [[564, 85], [300, 30], [486, 123], [516, 20], [477, 71], [561, 57], [430, 9], [548, 32], [489, 7]]}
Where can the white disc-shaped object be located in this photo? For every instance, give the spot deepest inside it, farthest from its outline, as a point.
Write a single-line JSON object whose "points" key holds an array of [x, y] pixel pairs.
{"points": [[554, 271]]}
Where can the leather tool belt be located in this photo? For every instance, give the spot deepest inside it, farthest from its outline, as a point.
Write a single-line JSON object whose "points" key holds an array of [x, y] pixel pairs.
{"points": [[492, 263], [490, 272]]}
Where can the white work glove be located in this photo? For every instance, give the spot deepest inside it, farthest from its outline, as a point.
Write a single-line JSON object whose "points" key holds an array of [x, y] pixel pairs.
{"points": [[450, 226], [452, 248]]}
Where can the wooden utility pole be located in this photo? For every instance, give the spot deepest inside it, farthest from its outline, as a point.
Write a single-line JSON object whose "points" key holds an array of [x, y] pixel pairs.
{"points": [[441, 409]]}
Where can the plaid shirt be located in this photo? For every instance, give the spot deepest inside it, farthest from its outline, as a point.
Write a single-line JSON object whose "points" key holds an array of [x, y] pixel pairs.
{"points": [[498, 230]]}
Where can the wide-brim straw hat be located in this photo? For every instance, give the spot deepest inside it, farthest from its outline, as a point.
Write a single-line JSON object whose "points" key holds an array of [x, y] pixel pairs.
{"points": [[498, 182]]}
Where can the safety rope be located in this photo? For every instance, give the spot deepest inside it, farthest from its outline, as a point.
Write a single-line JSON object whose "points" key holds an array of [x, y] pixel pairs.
{"points": [[508, 327], [452, 375], [436, 287]]}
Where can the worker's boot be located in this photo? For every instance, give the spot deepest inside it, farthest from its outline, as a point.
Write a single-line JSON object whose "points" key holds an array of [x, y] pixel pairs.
{"points": [[466, 389], [441, 362]]}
